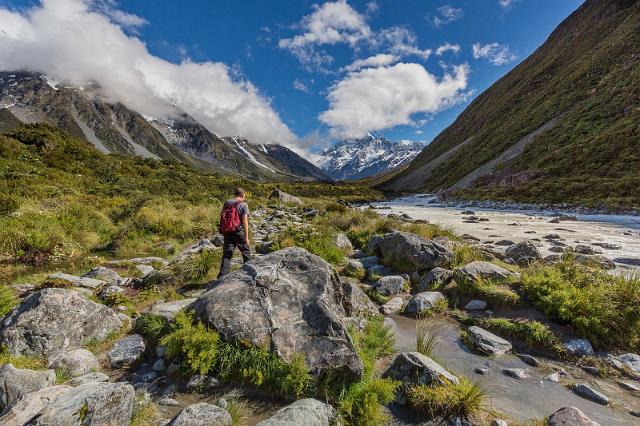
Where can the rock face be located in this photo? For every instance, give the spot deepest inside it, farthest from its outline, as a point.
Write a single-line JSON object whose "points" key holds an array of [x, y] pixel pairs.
{"points": [[435, 277], [202, 414], [570, 416], [53, 321], [308, 412], [284, 197], [487, 342], [30, 404], [588, 392], [523, 253], [357, 303], [416, 368], [479, 270], [289, 301], [406, 252], [389, 286], [126, 351], [90, 404], [628, 360], [16, 382], [423, 302], [77, 362]]}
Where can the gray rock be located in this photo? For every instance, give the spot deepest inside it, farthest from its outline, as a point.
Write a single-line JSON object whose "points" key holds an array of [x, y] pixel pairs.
{"points": [[369, 261], [436, 277], [406, 252], [553, 377], [170, 309], [16, 382], [202, 414], [53, 321], [201, 383], [481, 370], [596, 261], [307, 412], [499, 422], [579, 347], [416, 368], [390, 286], [504, 243], [284, 197], [585, 249], [92, 377], [629, 361], [529, 360], [608, 246], [630, 386], [158, 366], [77, 362], [392, 306], [343, 242], [126, 351], [373, 246], [107, 275], [357, 303], [84, 282], [289, 301], [588, 392], [523, 253], [144, 270], [354, 268], [31, 404], [516, 373], [98, 403], [423, 302], [378, 270], [111, 290], [570, 416], [487, 342], [479, 270], [476, 305]]}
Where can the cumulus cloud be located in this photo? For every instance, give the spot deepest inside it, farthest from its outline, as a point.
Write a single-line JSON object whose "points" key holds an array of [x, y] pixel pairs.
{"points": [[374, 99], [76, 42], [445, 15], [447, 47], [497, 54], [379, 60]]}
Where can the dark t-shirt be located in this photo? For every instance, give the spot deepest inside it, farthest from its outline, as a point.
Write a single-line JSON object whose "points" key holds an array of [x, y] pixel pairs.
{"points": [[243, 208]]}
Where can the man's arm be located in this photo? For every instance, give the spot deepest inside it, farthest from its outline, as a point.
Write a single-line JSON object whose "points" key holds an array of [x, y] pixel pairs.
{"points": [[245, 226]]}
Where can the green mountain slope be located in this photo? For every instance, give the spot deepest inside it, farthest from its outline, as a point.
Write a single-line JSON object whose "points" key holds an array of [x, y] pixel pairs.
{"points": [[581, 91]]}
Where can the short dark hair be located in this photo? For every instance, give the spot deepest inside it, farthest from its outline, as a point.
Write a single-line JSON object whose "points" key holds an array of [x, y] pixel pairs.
{"points": [[239, 192]]}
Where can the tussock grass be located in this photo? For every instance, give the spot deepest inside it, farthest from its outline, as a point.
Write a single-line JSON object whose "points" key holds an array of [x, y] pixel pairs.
{"points": [[427, 337], [152, 327], [22, 361], [198, 266], [447, 401], [7, 300], [532, 333]]}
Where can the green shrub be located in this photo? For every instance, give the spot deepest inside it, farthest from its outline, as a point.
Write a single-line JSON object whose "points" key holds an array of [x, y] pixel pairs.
{"points": [[362, 403], [532, 333], [447, 401], [465, 253], [8, 204], [152, 327], [375, 341]]}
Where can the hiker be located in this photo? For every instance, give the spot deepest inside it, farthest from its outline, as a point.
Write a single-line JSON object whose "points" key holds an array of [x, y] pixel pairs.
{"points": [[234, 225]]}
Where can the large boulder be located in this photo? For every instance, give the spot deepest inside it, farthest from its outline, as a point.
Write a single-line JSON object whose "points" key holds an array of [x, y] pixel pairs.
{"points": [[418, 369], [31, 404], [423, 302], [343, 243], [392, 306], [202, 414], [487, 342], [406, 252], [479, 270], [53, 321], [570, 416], [16, 382], [109, 404], [77, 362], [523, 253], [390, 286], [308, 412], [284, 197], [126, 351], [436, 277], [290, 301], [629, 361], [357, 303]]}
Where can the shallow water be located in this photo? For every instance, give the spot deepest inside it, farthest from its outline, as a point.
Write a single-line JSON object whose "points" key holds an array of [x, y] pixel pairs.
{"points": [[521, 399]]}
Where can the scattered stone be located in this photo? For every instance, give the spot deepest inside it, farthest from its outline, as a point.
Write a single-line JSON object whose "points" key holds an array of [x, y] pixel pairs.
{"points": [[588, 392], [158, 366], [390, 286], [468, 237], [630, 386], [556, 249], [481, 370], [379, 270], [529, 360], [585, 249], [126, 351], [31, 404], [487, 342], [553, 377], [17, 382], [423, 302], [343, 242], [354, 268], [357, 303], [407, 252], [555, 220], [98, 403], [61, 319], [84, 282], [552, 237], [284, 197], [504, 243], [111, 290], [107, 275], [168, 402], [144, 270], [516, 373], [373, 246], [77, 362], [369, 261], [479, 270], [468, 212], [418, 369], [579, 347], [435, 278], [596, 261], [88, 378], [392, 306], [590, 369], [200, 383], [498, 422], [630, 361], [170, 309], [608, 246], [570, 416], [308, 412], [476, 305], [523, 253]]}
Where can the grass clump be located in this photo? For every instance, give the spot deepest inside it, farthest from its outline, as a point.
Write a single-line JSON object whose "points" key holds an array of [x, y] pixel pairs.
{"points": [[496, 292], [446, 401], [152, 327], [532, 333], [427, 337], [145, 412], [319, 241], [465, 253], [599, 306], [22, 361], [198, 266], [7, 300]]}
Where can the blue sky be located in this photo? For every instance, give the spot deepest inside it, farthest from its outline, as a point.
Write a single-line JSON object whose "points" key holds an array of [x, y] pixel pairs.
{"points": [[300, 56]]}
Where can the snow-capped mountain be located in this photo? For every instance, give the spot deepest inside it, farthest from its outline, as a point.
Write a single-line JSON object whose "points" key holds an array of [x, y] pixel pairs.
{"points": [[359, 158]]}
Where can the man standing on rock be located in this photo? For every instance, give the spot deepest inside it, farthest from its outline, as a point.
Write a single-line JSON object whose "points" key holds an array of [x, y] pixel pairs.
{"points": [[234, 225]]}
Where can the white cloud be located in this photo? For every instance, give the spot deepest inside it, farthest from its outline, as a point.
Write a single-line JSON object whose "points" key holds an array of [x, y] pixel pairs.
{"points": [[506, 3], [126, 20], [372, 6], [380, 98], [419, 132], [379, 60], [400, 41], [445, 15], [447, 47], [73, 41], [300, 86], [497, 54]]}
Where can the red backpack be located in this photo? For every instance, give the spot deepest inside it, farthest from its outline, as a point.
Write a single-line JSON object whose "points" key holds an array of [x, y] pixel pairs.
{"points": [[229, 218]]}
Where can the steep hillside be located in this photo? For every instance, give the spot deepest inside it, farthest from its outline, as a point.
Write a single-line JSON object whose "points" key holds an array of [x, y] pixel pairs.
{"points": [[561, 127]]}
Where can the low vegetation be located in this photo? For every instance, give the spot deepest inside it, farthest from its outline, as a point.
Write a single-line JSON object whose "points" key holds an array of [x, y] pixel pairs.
{"points": [[464, 399], [427, 337]]}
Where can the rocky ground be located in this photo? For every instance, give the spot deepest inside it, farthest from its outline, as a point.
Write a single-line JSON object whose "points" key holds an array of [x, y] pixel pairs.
{"points": [[73, 354]]}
